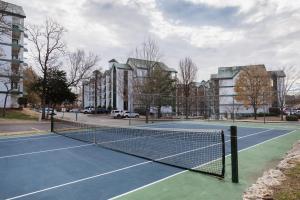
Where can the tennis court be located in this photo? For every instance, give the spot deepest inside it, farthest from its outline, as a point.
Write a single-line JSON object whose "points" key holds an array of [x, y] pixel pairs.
{"points": [[56, 167]]}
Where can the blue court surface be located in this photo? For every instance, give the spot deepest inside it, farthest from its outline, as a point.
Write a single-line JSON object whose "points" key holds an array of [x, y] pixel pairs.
{"points": [[55, 167]]}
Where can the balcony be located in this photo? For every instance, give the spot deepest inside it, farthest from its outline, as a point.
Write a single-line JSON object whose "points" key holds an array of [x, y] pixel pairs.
{"points": [[15, 52], [16, 61], [17, 28], [16, 35], [15, 65]]}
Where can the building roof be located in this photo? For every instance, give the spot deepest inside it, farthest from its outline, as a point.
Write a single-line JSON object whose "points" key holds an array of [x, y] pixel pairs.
{"points": [[12, 9], [142, 64], [278, 73], [230, 72], [122, 66], [113, 61], [198, 84]]}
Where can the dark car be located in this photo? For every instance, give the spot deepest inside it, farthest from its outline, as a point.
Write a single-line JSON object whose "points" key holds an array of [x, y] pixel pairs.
{"points": [[102, 111]]}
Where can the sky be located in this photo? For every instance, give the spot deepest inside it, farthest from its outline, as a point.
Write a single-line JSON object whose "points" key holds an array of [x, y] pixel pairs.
{"points": [[213, 33]]}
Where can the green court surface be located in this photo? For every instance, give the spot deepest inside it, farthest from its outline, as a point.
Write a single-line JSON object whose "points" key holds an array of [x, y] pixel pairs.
{"points": [[280, 125], [253, 162]]}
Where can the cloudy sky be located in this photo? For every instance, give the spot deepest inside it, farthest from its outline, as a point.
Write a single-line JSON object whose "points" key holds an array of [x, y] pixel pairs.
{"points": [[213, 33]]}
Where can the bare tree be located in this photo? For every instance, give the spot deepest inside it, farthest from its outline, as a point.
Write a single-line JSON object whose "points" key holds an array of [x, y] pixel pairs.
{"points": [[48, 47], [9, 84], [292, 75], [253, 87], [147, 56], [80, 66], [187, 75]]}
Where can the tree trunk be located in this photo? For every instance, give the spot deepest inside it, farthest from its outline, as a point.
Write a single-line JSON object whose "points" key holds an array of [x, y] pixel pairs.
{"points": [[44, 95], [4, 106], [186, 108], [255, 112], [281, 113], [159, 111], [147, 115]]}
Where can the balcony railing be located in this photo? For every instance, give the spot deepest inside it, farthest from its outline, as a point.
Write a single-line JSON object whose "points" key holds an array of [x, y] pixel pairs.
{"points": [[16, 34], [17, 28]]}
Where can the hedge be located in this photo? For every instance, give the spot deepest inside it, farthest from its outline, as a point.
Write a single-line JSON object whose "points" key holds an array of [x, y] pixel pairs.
{"points": [[292, 118]]}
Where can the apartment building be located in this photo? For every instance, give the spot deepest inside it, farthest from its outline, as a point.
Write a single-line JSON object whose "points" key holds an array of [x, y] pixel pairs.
{"points": [[222, 91], [114, 88], [11, 54]]}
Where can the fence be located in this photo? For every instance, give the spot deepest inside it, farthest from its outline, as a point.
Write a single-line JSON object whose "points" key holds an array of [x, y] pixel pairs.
{"points": [[218, 107]]}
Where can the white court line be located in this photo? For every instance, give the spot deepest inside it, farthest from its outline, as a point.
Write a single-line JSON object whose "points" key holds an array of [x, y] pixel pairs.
{"points": [[79, 180], [249, 134], [30, 138], [44, 151], [110, 172], [35, 129], [168, 177], [238, 124], [255, 133], [106, 173]]}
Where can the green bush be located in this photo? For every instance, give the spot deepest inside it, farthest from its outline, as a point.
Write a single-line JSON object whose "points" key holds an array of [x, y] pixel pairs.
{"points": [[260, 114], [274, 111], [271, 114], [292, 118], [141, 111], [22, 101]]}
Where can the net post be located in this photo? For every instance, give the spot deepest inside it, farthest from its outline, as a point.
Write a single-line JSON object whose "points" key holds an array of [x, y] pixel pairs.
{"points": [[234, 154], [223, 154]]}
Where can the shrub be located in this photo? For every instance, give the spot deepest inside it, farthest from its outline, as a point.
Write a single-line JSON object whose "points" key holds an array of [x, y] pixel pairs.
{"points": [[22, 101], [141, 111], [109, 108], [291, 118], [274, 111], [260, 114]]}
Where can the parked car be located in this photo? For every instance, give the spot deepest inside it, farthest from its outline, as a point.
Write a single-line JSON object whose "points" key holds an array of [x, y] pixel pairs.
{"points": [[128, 114], [88, 110], [291, 111], [75, 110], [102, 111], [48, 110], [116, 114]]}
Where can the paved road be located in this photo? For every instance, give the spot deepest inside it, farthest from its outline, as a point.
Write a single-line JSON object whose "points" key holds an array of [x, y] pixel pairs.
{"points": [[100, 119]]}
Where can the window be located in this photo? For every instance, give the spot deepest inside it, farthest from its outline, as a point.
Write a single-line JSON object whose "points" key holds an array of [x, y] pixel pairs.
{"points": [[14, 85], [14, 41]]}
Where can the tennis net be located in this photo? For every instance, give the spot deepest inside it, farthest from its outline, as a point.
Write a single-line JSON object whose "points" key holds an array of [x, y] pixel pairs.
{"points": [[200, 151]]}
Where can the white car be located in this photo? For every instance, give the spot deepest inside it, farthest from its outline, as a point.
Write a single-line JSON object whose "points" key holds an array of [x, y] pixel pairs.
{"points": [[47, 110], [75, 110], [88, 110], [116, 114], [128, 114]]}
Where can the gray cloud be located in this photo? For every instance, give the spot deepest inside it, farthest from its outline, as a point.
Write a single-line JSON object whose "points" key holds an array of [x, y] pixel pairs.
{"points": [[212, 34], [124, 20]]}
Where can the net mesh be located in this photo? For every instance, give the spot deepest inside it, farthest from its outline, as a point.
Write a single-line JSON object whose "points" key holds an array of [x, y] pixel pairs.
{"points": [[200, 151]]}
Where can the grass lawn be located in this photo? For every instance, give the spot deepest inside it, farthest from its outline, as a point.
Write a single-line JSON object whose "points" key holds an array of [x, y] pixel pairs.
{"points": [[18, 114], [290, 188]]}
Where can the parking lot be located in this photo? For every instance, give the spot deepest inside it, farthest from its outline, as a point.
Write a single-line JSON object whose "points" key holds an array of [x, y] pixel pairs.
{"points": [[100, 119]]}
